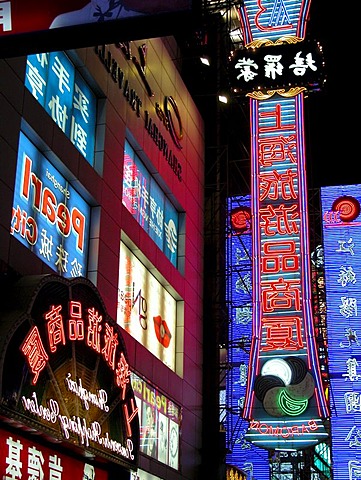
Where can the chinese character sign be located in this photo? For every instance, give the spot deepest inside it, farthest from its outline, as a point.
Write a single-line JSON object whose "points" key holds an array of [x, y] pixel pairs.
{"points": [[64, 94], [285, 402], [149, 205], [23, 458], [65, 369], [277, 66], [342, 254]]}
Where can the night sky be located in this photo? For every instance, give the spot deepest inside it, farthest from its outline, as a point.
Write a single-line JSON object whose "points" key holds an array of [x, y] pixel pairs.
{"points": [[331, 156]]}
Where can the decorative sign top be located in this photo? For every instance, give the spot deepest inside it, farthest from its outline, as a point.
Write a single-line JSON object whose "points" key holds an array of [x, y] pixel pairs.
{"points": [[267, 22]]}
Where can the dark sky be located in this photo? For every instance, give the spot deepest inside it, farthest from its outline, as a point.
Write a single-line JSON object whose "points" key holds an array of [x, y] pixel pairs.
{"points": [[330, 160]]}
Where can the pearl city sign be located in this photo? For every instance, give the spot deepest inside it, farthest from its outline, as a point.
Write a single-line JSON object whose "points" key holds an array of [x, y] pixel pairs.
{"points": [[285, 402], [64, 369]]}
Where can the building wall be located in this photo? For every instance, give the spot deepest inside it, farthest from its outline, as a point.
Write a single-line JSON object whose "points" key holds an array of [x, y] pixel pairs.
{"points": [[111, 221]]}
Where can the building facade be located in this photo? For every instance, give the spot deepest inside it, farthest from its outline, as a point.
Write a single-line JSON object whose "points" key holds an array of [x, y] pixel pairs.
{"points": [[102, 186]]}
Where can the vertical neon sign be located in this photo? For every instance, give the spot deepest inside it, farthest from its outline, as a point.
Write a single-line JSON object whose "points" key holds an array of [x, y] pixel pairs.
{"points": [[285, 402]]}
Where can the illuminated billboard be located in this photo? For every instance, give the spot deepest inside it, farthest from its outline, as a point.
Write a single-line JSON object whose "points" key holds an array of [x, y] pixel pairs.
{"points": [[49, 216], [277, 66], [56, 84], [341, 222], [27, 26], [146, 201], [145, 308]]}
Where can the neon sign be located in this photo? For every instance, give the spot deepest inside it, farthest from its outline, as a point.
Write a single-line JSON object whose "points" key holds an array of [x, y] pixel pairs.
{"points": [[69, 370]]}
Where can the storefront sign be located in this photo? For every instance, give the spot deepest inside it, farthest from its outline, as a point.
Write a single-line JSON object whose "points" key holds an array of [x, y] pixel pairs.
{"points": [[146, 201], [56, 84], [22, 458], [285, 401], [168, 113], [66, 365], [277, 66]]}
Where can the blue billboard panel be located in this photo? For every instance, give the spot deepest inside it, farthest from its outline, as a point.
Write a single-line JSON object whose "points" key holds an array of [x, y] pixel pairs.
{"points": [[64, 94], [49, 216], [341, 222]]}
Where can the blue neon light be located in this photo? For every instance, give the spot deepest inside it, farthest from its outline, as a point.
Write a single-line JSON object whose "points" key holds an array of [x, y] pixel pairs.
{"points": [[341, 222]]}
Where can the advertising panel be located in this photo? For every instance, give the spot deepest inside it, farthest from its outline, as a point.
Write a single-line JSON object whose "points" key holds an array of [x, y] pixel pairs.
{"points": [[49, 216], [64, 94], [341, 222], [160, 421], [240, 452], [145, 308]]}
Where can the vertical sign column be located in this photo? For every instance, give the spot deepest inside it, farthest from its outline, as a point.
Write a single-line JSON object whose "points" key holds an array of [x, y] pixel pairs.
{"points": [[285, 402]]}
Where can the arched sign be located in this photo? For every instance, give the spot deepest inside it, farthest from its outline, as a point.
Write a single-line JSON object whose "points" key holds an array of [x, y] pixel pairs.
{"points": [[64, 370]]}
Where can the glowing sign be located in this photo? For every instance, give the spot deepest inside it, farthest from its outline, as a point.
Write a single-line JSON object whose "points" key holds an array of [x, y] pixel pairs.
{"points": [[62, 91], [341, 240], [49, 216], [285, 402], [145, 308], [277, 66], [148, 204], [65, 359]]}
